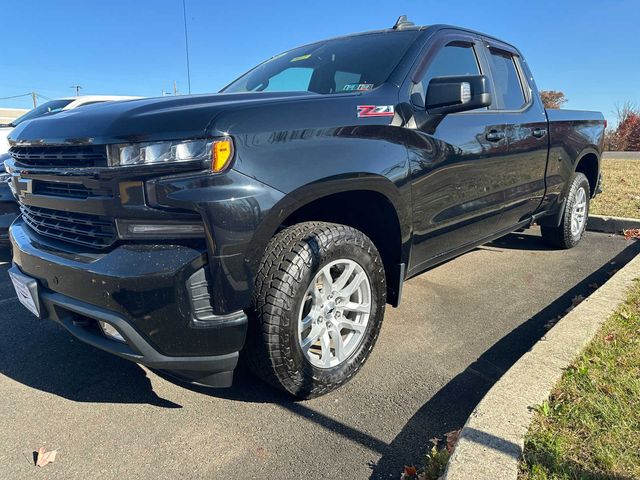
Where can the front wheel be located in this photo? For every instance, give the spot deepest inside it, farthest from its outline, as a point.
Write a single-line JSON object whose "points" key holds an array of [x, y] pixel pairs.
{"points": [[574, 217], [317, 310]]}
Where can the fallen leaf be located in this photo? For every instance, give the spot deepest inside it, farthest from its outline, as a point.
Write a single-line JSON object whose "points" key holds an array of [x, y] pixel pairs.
{"points": [[577, 300], [45, 457], [452, 439], [550, 324], [434, 441], [410, 471], [262, 453], [609, 338], [632, 233]]}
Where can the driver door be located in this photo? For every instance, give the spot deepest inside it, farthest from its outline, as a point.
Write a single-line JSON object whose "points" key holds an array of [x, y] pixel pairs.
{"points": [[454, 162]]}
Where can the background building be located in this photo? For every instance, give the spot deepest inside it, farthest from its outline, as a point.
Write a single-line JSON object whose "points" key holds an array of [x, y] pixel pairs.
{"points": [[9, 114]]}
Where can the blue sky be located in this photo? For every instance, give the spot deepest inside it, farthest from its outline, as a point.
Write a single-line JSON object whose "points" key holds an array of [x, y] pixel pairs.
{"points": [[589, 49]]}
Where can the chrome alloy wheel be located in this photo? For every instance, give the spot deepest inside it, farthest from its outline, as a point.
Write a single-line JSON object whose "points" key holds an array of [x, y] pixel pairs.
{"points": [[579, 212], [334, 313]]}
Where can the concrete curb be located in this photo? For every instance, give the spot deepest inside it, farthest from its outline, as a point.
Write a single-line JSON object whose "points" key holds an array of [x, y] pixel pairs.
{"points": [[599, 223], [621, 155], [492, 440]]}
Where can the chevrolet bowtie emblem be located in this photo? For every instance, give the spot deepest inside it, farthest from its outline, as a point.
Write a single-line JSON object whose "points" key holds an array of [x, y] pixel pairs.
{"points": [[21, 186]]}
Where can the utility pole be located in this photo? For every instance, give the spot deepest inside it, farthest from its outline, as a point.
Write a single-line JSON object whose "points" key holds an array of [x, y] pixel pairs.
{"points": [[175, 88], [34, 96], [186, 44], [78, 88]]}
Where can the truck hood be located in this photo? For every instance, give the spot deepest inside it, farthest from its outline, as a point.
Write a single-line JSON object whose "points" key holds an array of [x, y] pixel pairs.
{"points": [[151, 119]]}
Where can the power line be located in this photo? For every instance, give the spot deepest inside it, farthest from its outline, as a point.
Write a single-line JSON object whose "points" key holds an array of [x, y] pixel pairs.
{"points": [[16, 96], [186, 43]]}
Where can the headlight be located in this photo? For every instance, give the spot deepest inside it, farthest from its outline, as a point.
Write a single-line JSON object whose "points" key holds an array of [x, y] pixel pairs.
{"points": [[217, 153]]}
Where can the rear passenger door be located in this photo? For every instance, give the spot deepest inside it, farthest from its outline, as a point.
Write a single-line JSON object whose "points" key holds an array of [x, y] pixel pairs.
{"points": [[522, 179]]}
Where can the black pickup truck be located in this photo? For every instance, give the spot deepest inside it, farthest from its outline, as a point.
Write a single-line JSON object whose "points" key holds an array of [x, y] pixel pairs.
{"points": [[279, 217]]}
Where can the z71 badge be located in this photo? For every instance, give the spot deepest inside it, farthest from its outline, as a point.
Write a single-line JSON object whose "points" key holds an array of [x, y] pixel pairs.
{"points": [[365, 111]]}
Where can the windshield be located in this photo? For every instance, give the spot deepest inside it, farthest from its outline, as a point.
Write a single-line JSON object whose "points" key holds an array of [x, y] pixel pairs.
{"points": [[54, 106], [357, 63]]}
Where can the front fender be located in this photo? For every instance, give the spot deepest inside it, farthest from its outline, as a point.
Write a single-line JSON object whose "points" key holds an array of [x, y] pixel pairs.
{"points": [[241, 215]]}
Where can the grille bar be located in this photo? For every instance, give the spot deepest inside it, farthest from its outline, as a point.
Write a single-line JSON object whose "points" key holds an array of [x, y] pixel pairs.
{"points": [[82, 229], [60, 189], [70, 156]]}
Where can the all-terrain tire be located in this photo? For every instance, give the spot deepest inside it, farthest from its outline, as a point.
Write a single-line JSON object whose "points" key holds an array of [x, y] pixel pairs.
{"points": [[562, 236], [291, 261]]}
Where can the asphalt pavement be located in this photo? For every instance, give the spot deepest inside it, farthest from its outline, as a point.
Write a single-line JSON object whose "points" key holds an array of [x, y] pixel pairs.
{"points": [[460, 326]]}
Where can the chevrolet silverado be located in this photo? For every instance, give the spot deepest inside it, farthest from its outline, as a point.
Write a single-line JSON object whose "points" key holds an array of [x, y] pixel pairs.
{"points": [[278, 217]]}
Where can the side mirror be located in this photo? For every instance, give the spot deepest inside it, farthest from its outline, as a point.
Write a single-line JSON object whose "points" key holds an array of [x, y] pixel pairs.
{"points": [[457, 94]]}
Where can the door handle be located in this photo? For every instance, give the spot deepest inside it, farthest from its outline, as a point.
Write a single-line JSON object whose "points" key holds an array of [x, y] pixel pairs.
{"points": [[494, 136], [539, 132]]}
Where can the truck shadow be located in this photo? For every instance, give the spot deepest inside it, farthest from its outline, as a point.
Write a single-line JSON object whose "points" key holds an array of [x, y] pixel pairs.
{"points": [[42, 355], [529, 240]]}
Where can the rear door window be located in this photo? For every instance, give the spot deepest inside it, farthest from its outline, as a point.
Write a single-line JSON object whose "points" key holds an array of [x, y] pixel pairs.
{"points": [[508, 94]]}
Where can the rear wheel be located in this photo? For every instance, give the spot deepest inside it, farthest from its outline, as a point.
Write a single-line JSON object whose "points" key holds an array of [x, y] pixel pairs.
{"points": [[318, 307], [574, 217]]}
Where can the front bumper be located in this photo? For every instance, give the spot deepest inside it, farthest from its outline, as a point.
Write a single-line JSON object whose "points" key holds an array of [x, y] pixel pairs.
{"points": [[156, 296]]}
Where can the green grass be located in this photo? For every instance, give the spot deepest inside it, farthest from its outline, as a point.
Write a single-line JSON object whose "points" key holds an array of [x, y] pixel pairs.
{"points": [[621, 189], [590, 426]]}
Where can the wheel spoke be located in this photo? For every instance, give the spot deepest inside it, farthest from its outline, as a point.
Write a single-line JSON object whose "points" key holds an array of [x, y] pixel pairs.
{"points": [[351, 325], [338, 344], [306, 321], [312, 338], [344, 277], [325, 346], [349, 289], [357, 307], [316, 296], [327, 280]]}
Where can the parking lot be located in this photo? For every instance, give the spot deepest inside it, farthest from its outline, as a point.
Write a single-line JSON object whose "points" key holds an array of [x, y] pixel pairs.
{"points": [[459, 327]]}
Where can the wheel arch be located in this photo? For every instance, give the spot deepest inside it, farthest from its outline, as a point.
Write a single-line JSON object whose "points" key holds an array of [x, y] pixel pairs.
{"points": [[588, 163], [371, 204]]}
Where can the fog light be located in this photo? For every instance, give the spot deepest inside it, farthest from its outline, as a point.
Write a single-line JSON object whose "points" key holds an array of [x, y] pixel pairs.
{"points": [[132, 229], [166, 229], [111, 332]]}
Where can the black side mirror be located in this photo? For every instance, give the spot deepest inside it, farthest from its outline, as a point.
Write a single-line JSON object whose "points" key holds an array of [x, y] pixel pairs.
{"points": [[457, 94]]}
